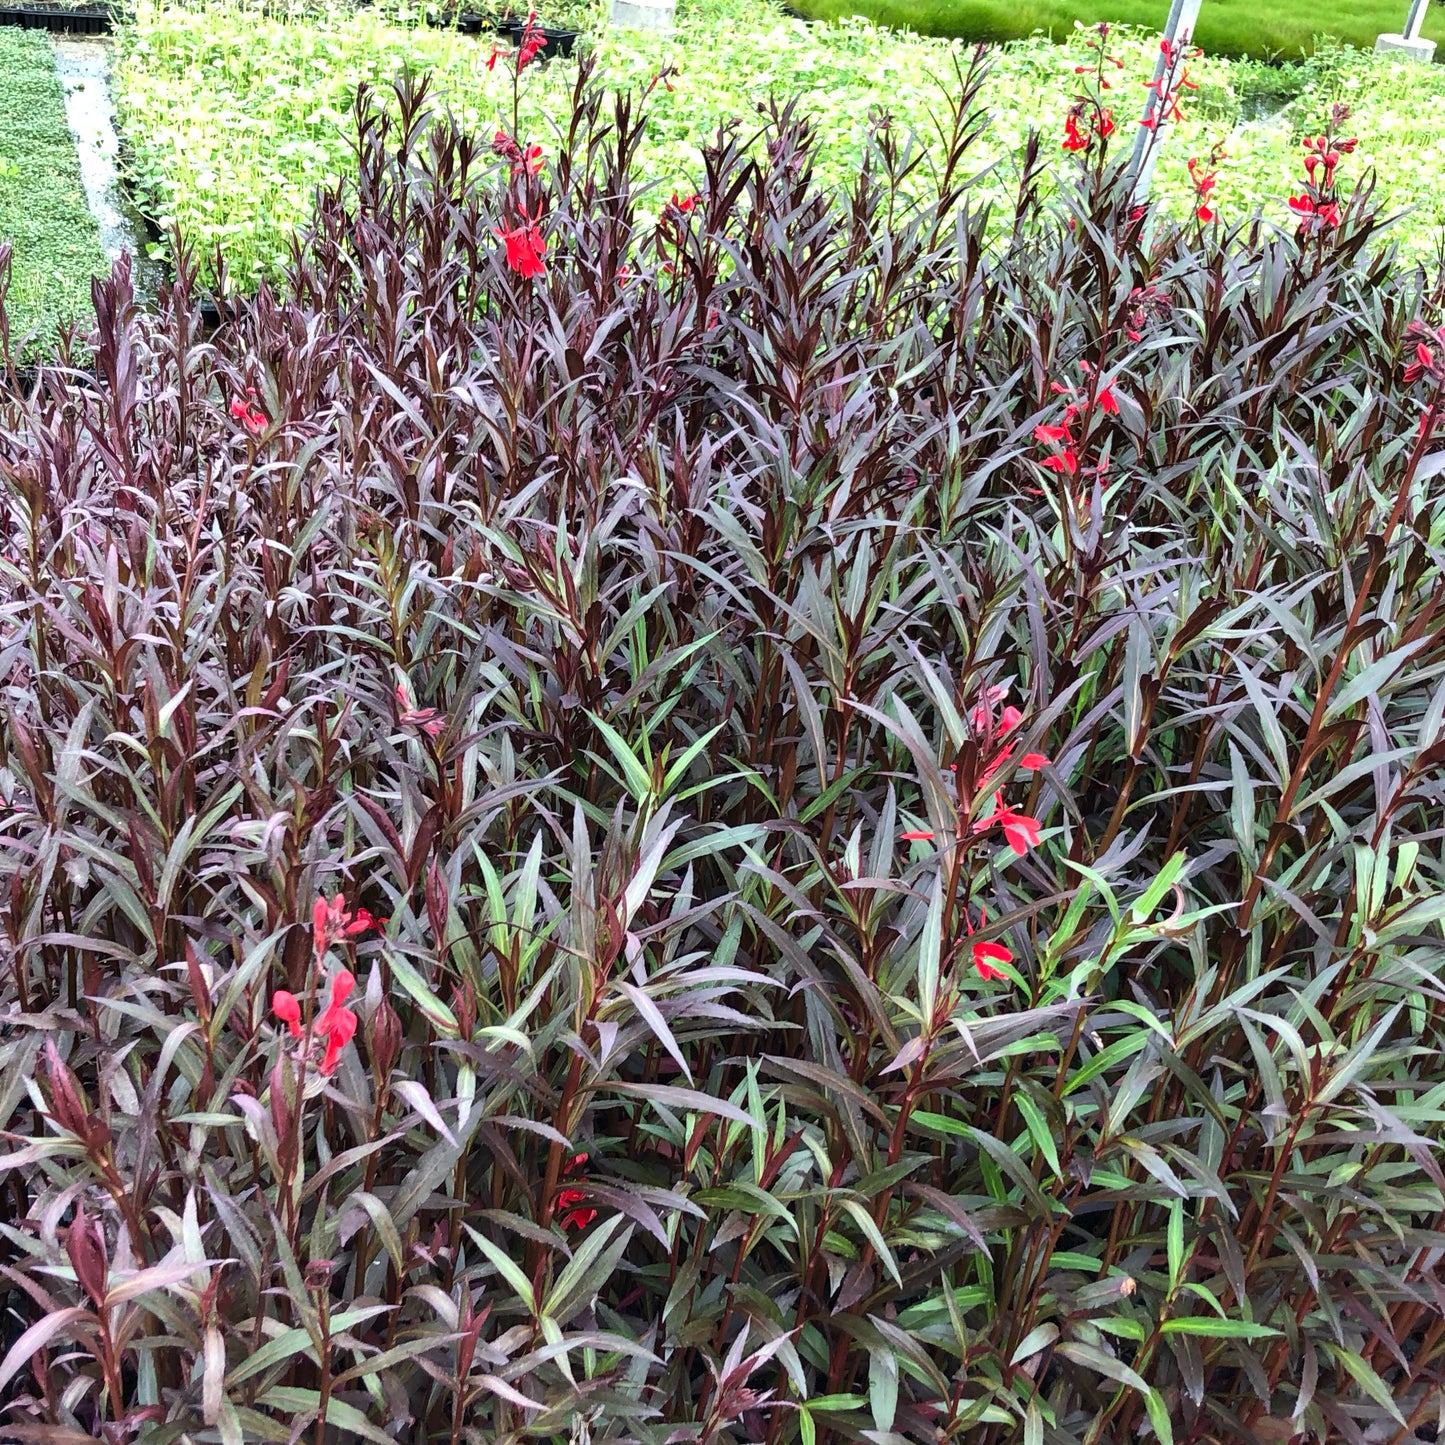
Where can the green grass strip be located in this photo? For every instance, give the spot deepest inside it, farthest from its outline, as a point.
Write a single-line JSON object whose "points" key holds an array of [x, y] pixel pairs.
{"points": [[1284, 29], [43, 213]]}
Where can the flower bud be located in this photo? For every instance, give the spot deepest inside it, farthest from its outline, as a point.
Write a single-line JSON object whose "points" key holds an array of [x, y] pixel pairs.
{"points": [[85, 1244], [383, 1040], [437, 900], [66, 1105]]}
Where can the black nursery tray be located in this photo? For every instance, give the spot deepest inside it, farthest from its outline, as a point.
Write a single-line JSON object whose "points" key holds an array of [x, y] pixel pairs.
{"points": [[468, 22], [60, 19], [555, 41]]}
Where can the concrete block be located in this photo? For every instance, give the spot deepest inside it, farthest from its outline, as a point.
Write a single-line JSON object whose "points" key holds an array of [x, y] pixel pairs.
{"points": [[1398, 47], [644, 14]]}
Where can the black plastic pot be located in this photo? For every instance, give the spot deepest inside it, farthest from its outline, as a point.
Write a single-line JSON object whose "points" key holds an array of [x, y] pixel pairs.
{"points": [[87, 20], [554, 41], [467, 22]]}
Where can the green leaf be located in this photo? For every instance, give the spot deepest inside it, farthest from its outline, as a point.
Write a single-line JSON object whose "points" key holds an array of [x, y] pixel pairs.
{"points": [[437, 1013], [1038, 1338], [637, 778], [507, 1268], [864, 1221], [289, 1343], [883, 1387], [1103, 1364], [1366, 1378], [1216, 1329], [1176, 1243], [1159, 1417], [586, 1270], [346, 1418]]}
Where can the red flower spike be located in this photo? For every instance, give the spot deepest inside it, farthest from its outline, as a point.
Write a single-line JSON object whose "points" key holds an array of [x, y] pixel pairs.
{"points": [[1032, 762], [1108, 402], [287, 1011], [533, 39]]}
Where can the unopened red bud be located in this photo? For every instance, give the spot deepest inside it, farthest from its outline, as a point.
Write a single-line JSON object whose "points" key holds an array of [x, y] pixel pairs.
{"points": [[66, 1104], [85, 1244], [437, 900], [383, 1039]]}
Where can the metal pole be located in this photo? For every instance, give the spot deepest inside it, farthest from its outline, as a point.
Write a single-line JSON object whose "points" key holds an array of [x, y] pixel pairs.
{"points": [[1178, 28], [1416, 22]]}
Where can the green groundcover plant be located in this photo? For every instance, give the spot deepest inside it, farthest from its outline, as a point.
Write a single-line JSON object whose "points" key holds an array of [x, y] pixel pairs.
{"points": [[236, 114], [43, 215], [1284, 29], [768, 823]]}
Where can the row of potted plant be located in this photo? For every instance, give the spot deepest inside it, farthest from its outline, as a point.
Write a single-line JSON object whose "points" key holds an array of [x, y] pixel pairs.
{"points": [[560, 27]]}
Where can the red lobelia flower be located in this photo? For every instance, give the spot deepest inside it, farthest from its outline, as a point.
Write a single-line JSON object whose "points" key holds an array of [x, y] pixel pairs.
{"points": [[570, 1199], [526, 160], [409, 715], [337, 1023], [526, 249], [248, 414], [337, 1036], [287, 1010], [533, 39], [332, 922], [983, 952], [1021, 830]]}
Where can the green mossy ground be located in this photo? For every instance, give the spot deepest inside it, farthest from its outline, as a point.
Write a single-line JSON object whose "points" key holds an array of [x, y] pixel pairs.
{"points": [[1284, 28], [54, 240]]}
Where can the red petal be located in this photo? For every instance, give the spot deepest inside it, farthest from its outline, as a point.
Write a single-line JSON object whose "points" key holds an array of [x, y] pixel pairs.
{"points": [[287, 1010], [916, 837]]}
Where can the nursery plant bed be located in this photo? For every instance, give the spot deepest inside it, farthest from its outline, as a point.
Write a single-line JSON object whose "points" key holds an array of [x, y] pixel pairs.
{"points": [[59, 19], [43, 212]]}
